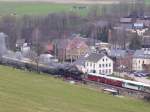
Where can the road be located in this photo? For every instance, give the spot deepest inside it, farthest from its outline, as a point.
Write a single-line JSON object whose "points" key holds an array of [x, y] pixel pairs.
{"points": [[142, 79], [122, 91], [139, 79]]}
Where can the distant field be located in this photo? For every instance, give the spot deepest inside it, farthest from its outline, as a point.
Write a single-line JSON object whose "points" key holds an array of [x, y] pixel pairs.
{"points": [[42, 8], [147, 1], [72, 1], [36, 8], [22, 91]]}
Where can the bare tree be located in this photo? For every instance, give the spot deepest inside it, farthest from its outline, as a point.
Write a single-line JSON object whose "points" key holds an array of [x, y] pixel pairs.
{"points": [[36, 46]]}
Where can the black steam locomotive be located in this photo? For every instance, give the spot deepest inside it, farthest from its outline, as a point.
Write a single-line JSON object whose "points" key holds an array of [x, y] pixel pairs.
{"points": [[62, 70]]}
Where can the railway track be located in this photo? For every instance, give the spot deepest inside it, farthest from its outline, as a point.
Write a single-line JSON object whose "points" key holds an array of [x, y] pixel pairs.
{"points": [[32, 67], [121, 90]]}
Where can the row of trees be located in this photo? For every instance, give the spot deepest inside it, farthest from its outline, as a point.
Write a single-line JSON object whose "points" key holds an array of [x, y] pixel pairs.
{"points": [[61, 25]]}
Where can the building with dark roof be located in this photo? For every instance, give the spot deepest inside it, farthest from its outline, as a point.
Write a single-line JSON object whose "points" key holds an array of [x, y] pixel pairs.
{"points": [[99, 63], [122, 59], [140, 58], [146, 43]]}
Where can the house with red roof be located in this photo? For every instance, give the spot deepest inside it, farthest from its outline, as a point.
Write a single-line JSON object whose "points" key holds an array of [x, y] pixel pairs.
{"points": [[76, 48]]}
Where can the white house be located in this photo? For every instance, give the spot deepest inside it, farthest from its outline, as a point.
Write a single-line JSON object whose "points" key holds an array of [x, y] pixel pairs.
{"points": [[99, 63], [140, 58]]}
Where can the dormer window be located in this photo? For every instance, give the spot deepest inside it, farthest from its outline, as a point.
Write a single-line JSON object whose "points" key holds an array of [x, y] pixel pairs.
{"points": [[103, 60]]}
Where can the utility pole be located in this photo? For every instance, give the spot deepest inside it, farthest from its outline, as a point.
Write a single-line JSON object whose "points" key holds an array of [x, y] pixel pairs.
{"points": [[55, 51], [37, 48]]}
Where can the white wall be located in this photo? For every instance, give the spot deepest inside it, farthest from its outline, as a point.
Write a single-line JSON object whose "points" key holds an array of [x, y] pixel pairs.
{"points": [[137, 63], [103, 66]]}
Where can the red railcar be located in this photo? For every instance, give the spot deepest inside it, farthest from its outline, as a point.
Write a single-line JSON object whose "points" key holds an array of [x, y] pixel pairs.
{"points": [[105, 80]]}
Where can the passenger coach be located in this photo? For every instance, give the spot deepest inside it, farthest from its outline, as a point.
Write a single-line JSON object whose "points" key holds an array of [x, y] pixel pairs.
{"points": [[134, 85]]}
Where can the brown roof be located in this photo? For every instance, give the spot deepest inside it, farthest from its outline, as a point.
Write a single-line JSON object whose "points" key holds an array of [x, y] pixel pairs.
{"points": [[76, 42]]}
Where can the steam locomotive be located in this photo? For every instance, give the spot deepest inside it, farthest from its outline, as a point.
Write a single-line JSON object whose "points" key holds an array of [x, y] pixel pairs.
{"points": [[61, 70], [68, 71]]}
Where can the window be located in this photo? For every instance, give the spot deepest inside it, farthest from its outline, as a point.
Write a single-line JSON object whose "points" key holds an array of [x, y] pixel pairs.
{"points": [[99, 71], [106, 71], [103, 65], [103, 60], [94, 71], [106, 65], [100, 65], [103, 71], [109, 64], [109, 70], [90, 64]]}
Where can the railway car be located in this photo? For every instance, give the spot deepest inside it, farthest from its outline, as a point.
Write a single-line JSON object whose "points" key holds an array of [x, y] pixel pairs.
{"points": [[146, 88], [134, 85], [105, 79]]}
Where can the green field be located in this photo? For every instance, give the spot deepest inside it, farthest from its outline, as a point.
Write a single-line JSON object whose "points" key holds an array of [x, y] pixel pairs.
{"points": [[41, 8], [147, 1], [22, 91], [37, 8]]}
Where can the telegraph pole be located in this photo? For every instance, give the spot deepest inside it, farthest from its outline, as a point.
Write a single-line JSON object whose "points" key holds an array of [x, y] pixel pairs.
{"points": [[37, 48]]}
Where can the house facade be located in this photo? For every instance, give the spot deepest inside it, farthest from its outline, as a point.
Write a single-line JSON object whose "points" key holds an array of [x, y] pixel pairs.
{"points": [[76, 49], [70, 49], [122, 59], [99, 63], [140, 59]]}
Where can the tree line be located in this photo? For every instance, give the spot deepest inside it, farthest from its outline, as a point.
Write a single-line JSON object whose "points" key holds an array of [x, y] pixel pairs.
{"points": [[62, 25]]}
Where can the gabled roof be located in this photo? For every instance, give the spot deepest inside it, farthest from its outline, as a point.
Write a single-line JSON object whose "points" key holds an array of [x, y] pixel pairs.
{"points": [[76, 43], [95, 57], [80, 61], [141, 54], [117, 53]]}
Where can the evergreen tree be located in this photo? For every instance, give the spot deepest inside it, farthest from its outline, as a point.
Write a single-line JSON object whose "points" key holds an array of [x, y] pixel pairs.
{"points": [[104, 35], [135, 43]]}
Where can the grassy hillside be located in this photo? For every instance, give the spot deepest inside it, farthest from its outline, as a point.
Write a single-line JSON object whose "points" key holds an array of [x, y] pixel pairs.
{"points": [[29, 92], [147, 1]]}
